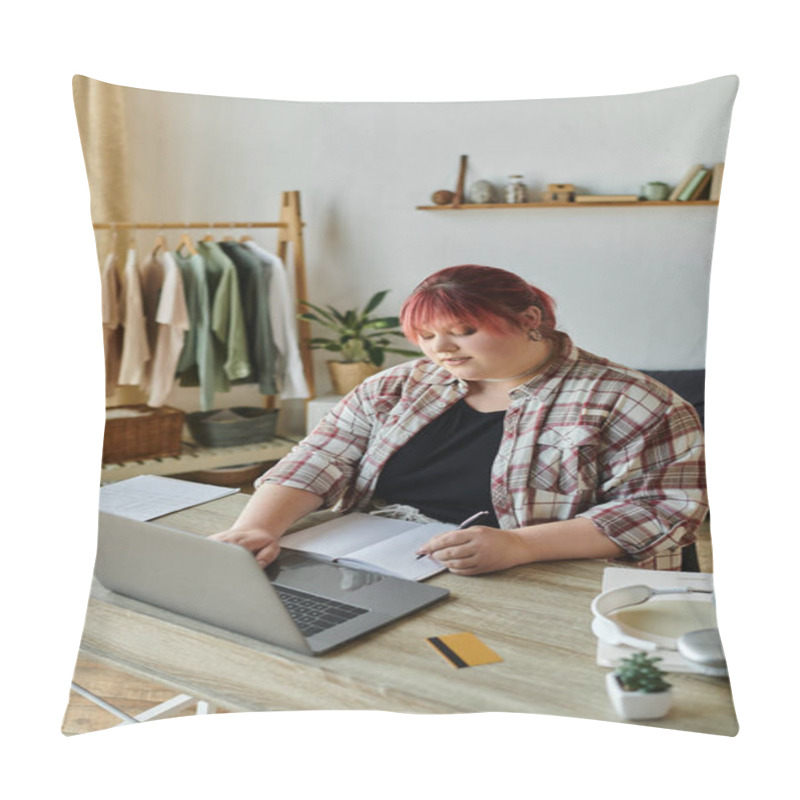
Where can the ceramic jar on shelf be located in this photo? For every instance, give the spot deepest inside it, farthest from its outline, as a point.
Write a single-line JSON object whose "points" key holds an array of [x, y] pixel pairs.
{"points": [[481, 192], [516, 191]]}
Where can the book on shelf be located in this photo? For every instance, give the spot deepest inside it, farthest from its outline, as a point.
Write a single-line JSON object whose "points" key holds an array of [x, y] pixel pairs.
{"points": [[696, 185], [716, 181], [703, 188], [606, 198], [379, 544], [684, 182]]}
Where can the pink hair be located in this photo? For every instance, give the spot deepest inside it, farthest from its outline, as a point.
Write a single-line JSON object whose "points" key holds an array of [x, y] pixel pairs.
{"points": [[486, 297]]}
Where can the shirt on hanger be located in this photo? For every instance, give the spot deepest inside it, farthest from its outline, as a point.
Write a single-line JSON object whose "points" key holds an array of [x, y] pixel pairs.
{"points": [[198, 364], [135, 350], [254, 287], [151, 275], [172, 319], [289, 371], [227, 319], [110, 290]]}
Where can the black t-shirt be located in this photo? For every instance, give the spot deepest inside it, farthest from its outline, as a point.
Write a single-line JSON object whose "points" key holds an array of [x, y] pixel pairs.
{"points": [[445, 469]]}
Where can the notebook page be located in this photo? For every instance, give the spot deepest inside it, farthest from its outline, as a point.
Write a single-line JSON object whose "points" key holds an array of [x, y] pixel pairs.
{"points": [[397, 556], [343, 535]]}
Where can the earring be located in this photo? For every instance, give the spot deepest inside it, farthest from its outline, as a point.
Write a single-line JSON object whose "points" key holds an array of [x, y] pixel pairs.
{"points": [[535, 335]]}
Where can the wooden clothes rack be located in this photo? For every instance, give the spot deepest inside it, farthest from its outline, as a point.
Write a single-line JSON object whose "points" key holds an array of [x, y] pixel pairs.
{"points": [[290, 233]]}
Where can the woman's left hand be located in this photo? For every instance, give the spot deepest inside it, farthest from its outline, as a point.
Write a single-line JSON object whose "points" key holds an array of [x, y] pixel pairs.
{"points": [[475, 550]]}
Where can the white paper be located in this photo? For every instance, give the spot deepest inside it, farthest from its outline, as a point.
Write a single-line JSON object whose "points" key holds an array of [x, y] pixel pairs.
{"points": [[146, 497]]}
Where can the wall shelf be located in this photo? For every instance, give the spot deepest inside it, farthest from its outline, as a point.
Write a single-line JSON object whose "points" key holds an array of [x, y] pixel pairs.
{"points": [[541, 204]]}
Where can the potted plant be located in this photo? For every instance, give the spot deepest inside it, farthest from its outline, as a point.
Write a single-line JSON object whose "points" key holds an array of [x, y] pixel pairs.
{"points": [[637, 688], [362, 340]]}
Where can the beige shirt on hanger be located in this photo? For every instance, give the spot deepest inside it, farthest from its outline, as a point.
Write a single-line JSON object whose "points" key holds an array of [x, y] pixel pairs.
{"points": [[135, 350], [110, 289], [151, 275]]}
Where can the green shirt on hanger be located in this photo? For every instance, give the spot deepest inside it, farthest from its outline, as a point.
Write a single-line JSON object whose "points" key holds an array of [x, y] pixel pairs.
{"points": [[198, 364], [254, 285], [227, 319]]}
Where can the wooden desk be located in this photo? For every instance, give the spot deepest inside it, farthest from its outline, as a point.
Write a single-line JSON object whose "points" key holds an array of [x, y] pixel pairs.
{"points": [[535, 617]]}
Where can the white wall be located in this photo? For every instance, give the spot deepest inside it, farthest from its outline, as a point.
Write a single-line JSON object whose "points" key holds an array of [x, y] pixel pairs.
{"points": [[630, 283]]}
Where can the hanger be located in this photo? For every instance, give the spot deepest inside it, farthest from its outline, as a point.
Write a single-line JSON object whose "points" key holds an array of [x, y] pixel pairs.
{"points": [[186, 241], [207, 238], [246, 238], [161, 244]]}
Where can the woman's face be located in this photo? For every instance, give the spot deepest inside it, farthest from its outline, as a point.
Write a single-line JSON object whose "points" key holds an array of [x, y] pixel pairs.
{"points": [[473, 353]]}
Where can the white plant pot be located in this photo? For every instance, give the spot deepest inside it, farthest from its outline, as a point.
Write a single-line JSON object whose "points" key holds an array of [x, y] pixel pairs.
{"points": [[637, 705]]}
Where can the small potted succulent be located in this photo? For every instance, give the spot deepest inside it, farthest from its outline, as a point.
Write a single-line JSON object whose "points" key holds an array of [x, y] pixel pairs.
{"points": [[362, 340], [637, 688]]}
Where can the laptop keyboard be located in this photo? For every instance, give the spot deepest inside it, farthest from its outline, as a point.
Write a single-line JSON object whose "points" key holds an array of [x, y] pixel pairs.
{"points": [[312, 613]]}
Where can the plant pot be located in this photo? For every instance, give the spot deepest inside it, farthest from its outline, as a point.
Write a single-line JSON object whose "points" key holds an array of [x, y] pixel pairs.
{"points": [[637, 705], [346, 375]]}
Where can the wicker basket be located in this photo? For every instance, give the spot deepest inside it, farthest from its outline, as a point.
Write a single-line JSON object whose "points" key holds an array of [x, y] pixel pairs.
{"points": [[346, 375], [232, 426], [138, 431]]}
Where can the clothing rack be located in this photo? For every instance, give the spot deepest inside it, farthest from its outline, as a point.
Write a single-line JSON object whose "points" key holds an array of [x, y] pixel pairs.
{"points": [[290, 234], [204, 225]]}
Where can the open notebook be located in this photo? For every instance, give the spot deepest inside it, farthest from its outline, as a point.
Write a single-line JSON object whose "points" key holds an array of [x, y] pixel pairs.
{"points": [[378, 543]]}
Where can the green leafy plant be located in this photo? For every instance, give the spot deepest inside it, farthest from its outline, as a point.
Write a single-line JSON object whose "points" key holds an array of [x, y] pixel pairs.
{"points": [[639, 673], [359, 336]]}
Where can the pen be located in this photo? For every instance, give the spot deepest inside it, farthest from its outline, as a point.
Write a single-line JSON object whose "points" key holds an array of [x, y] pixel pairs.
{"points": [[465, 524]]}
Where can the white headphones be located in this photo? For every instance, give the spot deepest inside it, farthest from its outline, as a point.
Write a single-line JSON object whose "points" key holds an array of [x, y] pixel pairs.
{"points": [[702, 649]]}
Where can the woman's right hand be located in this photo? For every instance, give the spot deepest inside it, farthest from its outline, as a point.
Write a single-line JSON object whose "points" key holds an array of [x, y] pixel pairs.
{"points": [[263, 544], [269, 513]]}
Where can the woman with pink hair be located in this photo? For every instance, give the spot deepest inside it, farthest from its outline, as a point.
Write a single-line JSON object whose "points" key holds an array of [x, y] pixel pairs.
{"points": [[566, 454]]}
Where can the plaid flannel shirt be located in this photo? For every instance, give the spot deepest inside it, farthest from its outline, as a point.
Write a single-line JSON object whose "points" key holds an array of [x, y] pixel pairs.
{"points": [[585, 438]]}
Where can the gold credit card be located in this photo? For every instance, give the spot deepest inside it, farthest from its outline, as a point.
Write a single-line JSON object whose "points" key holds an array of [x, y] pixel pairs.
{"points": [[464, 650]]}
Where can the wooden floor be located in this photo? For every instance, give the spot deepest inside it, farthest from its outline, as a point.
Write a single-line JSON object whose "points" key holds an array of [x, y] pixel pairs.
{"points": [[134, 695]]}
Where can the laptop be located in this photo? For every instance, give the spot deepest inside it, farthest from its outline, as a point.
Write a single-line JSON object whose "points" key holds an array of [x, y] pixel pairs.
{"points": [[298, 602]]}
